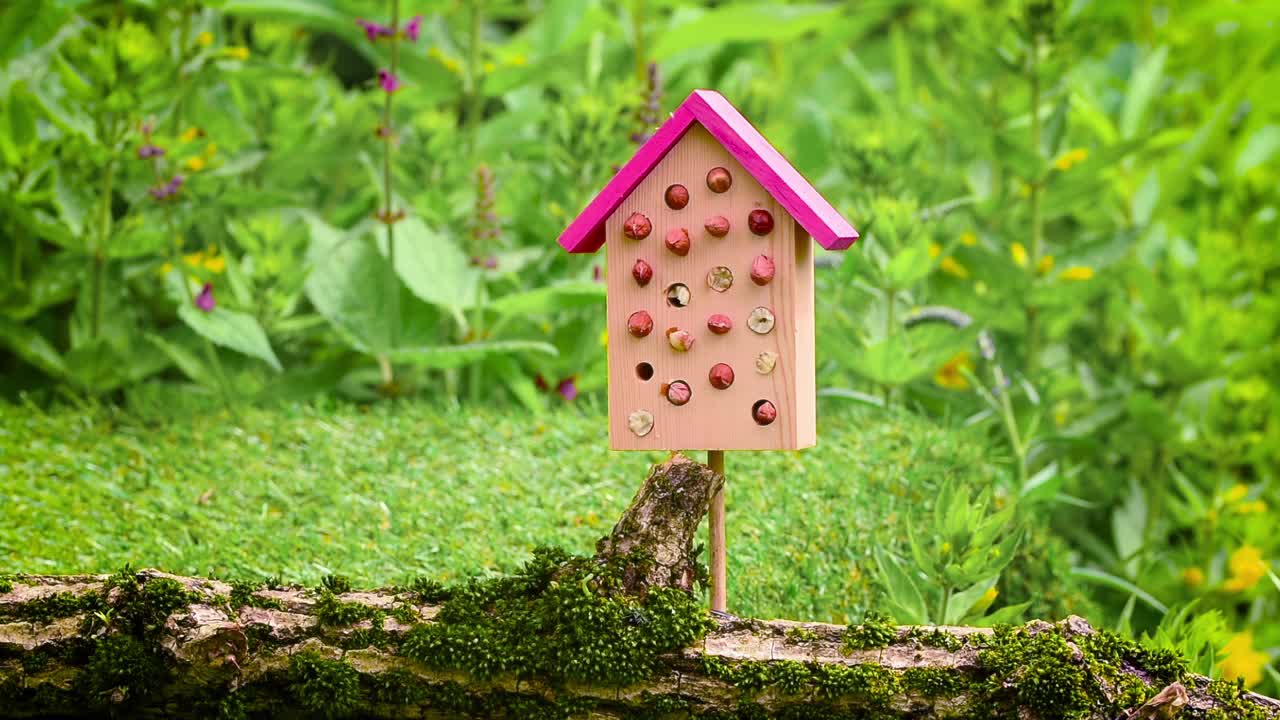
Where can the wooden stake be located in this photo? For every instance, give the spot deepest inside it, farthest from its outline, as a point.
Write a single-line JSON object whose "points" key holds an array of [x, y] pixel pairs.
{"points": [[715, 521]]}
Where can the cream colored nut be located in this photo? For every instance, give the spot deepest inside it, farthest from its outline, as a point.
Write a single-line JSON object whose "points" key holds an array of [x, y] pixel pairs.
{"points": [[766, 362], [760, 321], [640, 422], [678, 295], [720, 278]]}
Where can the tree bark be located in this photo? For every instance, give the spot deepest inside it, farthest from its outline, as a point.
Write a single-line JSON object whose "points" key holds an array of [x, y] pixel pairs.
{"points": [[212, 656]]}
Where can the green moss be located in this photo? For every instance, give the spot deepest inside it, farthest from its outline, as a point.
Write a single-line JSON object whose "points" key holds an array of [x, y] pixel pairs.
{"points": [[1035, 672], [934, 682], [559, 617], [6, 584], [936, 638], [243, 595], [58, 605], [875, 631], [429, 590], [336, 584], [406, 614], [122, 669], [798, 635], [1232, 704], [327, 688], [331, 611]]}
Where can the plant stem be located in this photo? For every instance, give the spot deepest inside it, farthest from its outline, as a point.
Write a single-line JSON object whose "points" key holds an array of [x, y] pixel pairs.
{"points": [[890, 319], [1037, 219], [104, 238], [637, 24], [393, 282], [475, 77]]}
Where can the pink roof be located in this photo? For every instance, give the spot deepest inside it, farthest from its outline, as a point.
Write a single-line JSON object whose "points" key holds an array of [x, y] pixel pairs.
{"points": [[708, 107]]}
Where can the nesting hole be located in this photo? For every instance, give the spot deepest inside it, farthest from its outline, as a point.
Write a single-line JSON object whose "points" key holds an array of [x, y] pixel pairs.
{"points": [[644, 371], [678, 295], [764, 412]]}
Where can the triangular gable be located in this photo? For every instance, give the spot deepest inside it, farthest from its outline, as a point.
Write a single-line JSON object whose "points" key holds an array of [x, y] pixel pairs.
{"points": [[782, 181]]}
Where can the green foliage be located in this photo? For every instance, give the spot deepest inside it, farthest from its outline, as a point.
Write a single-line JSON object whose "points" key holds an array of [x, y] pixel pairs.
{"points": [[323, 687], [875, 631], [558, 617]]}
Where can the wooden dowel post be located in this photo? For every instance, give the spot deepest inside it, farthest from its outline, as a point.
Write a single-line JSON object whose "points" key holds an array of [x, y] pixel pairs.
{"points": [[715, 522]]}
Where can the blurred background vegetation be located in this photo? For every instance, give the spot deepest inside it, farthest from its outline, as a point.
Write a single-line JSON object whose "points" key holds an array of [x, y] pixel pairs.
{"points": [[1068, 212]]}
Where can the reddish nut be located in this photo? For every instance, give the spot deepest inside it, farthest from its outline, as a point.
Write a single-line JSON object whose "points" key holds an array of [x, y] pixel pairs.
{"points": [[763, 412], [677, 196], [678, 392], [760, 221], [637, 227], [717, 226], [640, 323], [719, 324], [678, 241], [642, 272], [762, 270], [680, 340], [719, 179], [721, 376]]}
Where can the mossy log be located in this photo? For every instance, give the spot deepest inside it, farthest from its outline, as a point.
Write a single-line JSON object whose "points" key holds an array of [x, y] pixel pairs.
{"points": [[587, 637]]}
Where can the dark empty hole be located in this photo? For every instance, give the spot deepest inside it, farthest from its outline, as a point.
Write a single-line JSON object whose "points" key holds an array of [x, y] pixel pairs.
{"points": [[644, 371], [678, 295]]}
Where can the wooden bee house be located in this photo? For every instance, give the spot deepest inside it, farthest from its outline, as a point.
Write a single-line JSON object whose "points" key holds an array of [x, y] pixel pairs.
{"points": [[709, 236]]}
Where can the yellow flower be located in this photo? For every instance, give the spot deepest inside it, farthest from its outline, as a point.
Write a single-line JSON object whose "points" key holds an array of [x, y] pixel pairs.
{"points": [[1045, 265], [968, 239], [519, 60], [190, 134], [946, 548], [1253, 507], [604, 338], [1070, 159], [215, 264], [953, 268], [451, 64], [194, 163], [934, 249], [489, 67], [989, 597], [166, 268], [1019, 254], [951, 375], [1241, 660], [194, 259], [1247, 568], [1193, 577], [1078, 272], [204, 39], [210, 150], [238, 52], [1236, 493]]}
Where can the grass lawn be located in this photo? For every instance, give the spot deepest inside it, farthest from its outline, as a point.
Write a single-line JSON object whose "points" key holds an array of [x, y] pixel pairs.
{"points": [[383, 493]]}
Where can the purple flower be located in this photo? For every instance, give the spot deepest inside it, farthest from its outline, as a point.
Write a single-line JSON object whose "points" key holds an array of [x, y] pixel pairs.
{"points": [[413, 28], [373, 30], [167, 190], [597, 274], [389, 82], [568, 389], [205, 300], [150, 151]]}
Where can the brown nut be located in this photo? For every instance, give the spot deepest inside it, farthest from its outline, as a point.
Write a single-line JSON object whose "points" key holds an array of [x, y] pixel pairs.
{"points": [[761, 321], [678, 392], [760, 221], [764, 412], [721, 376], [762, 269], [719, 324], [719, 278], [678, 241], [719, 179], [637, 226], [640, 323], [680, 340], [717, 226], [677, 196], [642, 272]]}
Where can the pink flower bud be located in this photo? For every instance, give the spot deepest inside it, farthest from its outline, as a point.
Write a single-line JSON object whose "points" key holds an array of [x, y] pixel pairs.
{"points": [[719, 324], [678, 241], [762, 270], [642, 272], [764, 412], [678, 392], [760, 222], [637, 227], [680, 340], [640, 323], [717, 226], [677, 196], [721, 376]]}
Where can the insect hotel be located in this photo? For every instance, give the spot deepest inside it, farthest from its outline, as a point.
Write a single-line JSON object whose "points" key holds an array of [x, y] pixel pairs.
{"points": [[710, 236]]}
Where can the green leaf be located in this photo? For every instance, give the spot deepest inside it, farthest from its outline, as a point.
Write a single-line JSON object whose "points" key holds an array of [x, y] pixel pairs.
{"points": [[1004, 616], [443, 357], [962, 603], [1118, 583], [32, 347], [1143, 85], [730, 23], [230, 329], [187, 362], [1261, 146], [902, 591], [432, 266], [910, 264], [550, 299], [310, 13]]}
